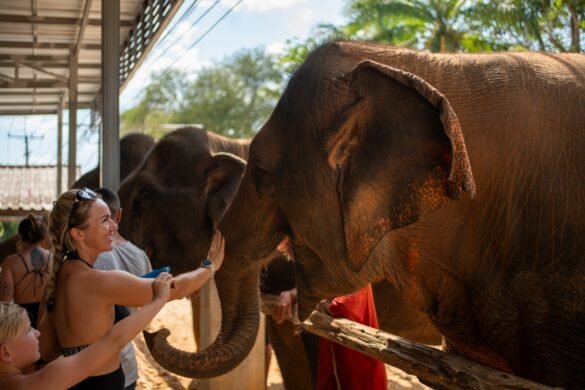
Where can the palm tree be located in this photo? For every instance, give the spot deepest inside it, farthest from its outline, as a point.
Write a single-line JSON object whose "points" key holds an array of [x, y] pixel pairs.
{"points": [[435, 25], [547, 25]]}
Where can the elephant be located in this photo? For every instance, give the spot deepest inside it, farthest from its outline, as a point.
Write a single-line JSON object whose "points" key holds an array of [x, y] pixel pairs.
{"points": [[456, 177], [133, 148], [172, 204]]}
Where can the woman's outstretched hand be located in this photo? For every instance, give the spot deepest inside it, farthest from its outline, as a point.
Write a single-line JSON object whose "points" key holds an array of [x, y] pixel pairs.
{"points": [[161, 286], [216, 250]]}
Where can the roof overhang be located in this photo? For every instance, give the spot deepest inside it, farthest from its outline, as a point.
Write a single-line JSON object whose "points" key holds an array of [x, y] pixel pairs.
{"points": [[39, 38]]}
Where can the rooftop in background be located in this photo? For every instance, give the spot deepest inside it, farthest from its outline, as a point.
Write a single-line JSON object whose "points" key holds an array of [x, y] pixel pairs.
{"points": [[25, 189], [37, 39]]}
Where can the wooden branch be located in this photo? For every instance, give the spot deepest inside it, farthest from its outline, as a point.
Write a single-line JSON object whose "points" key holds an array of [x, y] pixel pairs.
{"points": [[433, 367]]}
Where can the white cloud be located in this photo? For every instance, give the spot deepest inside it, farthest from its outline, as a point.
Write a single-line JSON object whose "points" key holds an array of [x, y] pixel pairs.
{"points": [[275, 48]]}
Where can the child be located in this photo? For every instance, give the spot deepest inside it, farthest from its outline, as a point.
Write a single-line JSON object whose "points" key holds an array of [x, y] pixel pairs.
{"points": [[19, 345]]}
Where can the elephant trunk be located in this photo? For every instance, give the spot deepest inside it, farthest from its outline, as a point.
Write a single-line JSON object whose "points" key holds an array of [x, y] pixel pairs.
{"points": [[239, 326]]}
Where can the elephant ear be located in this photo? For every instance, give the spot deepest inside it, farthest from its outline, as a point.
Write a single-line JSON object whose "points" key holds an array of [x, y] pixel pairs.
{"points": [[398, 154], [222, 182]]}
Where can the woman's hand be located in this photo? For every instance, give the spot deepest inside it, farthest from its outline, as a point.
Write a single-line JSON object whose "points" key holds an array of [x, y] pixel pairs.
{"points": [[216, 250], [161, 286]]}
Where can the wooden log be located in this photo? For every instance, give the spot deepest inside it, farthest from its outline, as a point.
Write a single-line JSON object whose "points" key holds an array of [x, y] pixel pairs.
{"points": [[433, 367]]}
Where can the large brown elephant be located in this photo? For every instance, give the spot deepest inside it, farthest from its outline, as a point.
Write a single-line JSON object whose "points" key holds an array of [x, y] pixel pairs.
{"points": [[133, 148], [456, 177], [175, 199]]}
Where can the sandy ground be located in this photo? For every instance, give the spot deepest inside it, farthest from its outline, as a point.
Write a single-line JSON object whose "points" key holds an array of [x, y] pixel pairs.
{"points": [[176, 316]]}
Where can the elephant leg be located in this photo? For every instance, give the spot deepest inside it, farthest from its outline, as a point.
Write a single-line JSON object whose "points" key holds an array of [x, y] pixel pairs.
{"points": [[291, 355], [196, 311]]}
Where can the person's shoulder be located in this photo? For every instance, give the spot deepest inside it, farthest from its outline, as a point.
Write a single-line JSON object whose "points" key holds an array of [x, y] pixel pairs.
{"points": [[11, 381], [10, 261]]}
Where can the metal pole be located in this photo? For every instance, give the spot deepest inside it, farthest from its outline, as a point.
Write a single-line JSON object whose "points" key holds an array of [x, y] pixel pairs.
{"points": [[60, 147], [110, 158], [71, 170]]}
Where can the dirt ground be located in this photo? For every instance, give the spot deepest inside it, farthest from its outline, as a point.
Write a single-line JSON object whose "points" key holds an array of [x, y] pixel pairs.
{"points": [[176, 316]]}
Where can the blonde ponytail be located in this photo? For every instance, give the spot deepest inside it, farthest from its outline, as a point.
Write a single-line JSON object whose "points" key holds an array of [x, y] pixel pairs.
{"points": [[62, 218]]}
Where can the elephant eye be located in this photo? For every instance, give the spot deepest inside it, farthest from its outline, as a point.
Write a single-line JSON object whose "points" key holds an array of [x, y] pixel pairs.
{"points": [[262, 179], [145, 194]]}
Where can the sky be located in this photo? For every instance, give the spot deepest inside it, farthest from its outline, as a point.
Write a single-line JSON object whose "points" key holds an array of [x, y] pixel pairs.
{"points": [[189, 45]]}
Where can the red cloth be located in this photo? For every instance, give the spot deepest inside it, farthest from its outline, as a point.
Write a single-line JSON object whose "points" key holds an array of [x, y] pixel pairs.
{"points": [[354, 370]]}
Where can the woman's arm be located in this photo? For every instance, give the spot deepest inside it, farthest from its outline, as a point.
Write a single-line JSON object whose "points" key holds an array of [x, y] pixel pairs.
{"points": [[189, 282], [7, 280], [68, 371], [122, 288]]}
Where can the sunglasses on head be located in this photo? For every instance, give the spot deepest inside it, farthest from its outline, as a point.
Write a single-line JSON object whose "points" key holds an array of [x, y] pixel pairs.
{"points": [[83, 195]]}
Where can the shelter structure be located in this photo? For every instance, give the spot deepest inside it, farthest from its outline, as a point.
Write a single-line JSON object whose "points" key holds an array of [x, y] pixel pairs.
{"points": [[27, 189], [58, 55]]}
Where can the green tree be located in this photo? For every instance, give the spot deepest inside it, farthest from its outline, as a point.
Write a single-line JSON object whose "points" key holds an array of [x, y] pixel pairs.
{"points": [[547, 25], [435, 25], [236, 96], [8, 229], [161, 99]]}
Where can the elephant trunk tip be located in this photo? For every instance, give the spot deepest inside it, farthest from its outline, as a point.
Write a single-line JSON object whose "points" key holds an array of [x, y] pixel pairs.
{"points": [[150, 337]]}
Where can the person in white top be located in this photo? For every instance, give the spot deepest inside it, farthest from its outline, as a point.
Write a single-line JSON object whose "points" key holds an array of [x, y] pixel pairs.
{"points": [[124, 256]]}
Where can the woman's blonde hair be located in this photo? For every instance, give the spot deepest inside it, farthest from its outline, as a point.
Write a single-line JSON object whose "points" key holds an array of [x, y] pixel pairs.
{"points": [[11, 321], [68, 212]]}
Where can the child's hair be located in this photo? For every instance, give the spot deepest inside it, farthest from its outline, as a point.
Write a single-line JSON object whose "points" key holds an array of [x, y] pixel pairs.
{"points": [[11, 321], [33, 228], [68, 212]]}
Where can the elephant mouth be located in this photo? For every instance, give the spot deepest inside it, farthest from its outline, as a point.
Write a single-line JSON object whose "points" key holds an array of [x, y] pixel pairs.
{"points": [[285, 248]]}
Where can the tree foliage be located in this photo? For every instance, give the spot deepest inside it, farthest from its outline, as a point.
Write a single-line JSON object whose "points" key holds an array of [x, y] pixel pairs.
{"points": [[236, 96], [546, 25], [232, 97], [459, 25]]}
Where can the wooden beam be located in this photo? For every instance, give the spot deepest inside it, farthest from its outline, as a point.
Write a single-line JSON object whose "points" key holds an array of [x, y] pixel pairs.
{"points": [[30, 57], [432, 366], [83, 25], [56, 94], [46, 45], [40, 69], [48, 65], [27, 112], [23, 19]]}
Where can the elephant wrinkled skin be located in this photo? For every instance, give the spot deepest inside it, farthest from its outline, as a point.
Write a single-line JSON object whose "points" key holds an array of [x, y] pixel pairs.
{"points": [[370, 162]]}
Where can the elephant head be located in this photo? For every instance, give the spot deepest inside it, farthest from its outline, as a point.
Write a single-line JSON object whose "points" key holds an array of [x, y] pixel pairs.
{"points": [[172, 204], [370, 149]]}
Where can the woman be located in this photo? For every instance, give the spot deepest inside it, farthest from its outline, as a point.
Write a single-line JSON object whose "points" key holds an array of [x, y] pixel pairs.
{"points": [[25, 274], [19, 346], [80, 300]]}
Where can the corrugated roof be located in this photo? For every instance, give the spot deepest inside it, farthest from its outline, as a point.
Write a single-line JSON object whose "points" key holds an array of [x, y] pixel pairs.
{"points": [[31, 188], [37, 37]]}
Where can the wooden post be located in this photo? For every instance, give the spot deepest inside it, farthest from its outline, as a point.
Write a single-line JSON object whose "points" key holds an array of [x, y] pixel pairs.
{"points": [[250, 373]]}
